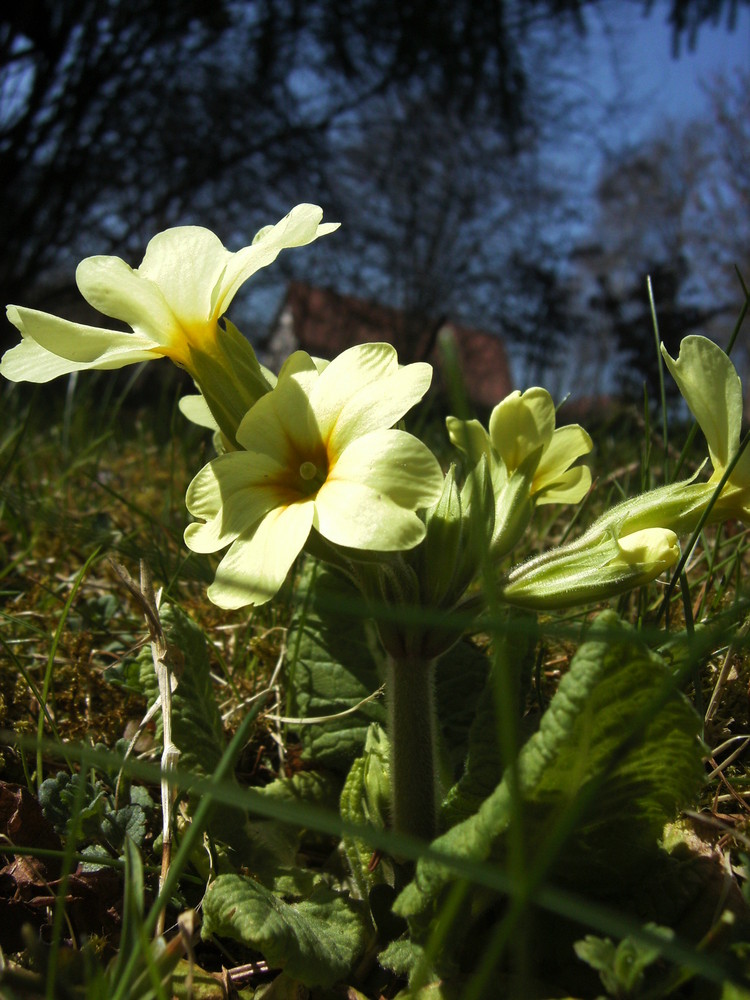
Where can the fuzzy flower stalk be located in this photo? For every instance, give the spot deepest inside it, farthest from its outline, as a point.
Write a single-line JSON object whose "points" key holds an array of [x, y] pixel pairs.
{"points": [[173, 302]]}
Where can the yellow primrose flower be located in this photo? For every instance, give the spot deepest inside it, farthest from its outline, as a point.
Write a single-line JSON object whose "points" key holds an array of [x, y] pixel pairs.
{"points": [[319, 455], [525, 422], [711, 387], [173, 302], [530, 461]]}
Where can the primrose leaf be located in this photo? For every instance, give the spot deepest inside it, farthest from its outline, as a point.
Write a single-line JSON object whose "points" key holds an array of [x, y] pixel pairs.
{"points": [[621, 967], [483, 767], [271, 847], [317, 941], [128, 821], [615, 756], [57, 797], [459, 679], [401, 956], [332, 668]]}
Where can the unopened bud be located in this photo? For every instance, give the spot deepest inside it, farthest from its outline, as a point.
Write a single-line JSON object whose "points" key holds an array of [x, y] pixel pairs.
{"points": [[377, 776], [591, 569]]}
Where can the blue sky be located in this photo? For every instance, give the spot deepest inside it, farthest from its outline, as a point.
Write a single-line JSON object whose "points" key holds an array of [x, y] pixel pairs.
{"points": [[659, 84]]}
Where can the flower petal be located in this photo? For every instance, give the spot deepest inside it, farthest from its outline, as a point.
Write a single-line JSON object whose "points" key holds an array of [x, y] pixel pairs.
{"points": [[115, 289], [469, 437], [256, 565], [299, 361], [380, 404], [187, 263], [360, 517], [652, 549], [281, 424], [520, 424], [393, 463], [28, 362], [301, 226], [570, 487], [196, 410], [712, 389], [347, 375], [84, 346], [231, 494], [567, 444]]}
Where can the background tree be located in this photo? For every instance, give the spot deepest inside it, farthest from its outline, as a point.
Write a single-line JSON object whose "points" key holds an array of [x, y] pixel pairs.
{"points": [[118, 119], [648, 226], [722, 211]]}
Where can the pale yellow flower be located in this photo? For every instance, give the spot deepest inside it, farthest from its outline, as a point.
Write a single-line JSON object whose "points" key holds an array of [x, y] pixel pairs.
{"points": [[529, 460], [173, 303], [319, 455]]}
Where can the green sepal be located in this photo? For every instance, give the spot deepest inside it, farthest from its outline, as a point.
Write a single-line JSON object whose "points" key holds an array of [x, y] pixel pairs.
{"points": [[514, 506], [478, 512], [230, 378], [593, 568], [438, 556]]}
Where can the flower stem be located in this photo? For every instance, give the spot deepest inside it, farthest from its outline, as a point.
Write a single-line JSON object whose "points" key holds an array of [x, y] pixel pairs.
{"points": [[410, 688]]}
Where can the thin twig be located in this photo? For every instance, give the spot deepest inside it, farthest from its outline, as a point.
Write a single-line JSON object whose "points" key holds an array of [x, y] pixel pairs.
{"points": [[148, 602], [314, 720]]}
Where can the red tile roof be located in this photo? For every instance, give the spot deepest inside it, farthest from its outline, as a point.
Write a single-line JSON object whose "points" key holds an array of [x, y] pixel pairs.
{"points": [[325, 323]]}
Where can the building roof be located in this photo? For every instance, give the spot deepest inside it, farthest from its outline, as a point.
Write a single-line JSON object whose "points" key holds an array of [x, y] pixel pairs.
{"points": [[324, 323]]}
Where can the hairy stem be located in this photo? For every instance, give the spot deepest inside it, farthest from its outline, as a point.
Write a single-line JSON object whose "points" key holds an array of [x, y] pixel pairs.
{"points": [[410, 689]]}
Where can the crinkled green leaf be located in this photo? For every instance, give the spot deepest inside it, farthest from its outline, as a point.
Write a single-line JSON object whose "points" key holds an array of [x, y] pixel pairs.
{"points": [[483, 769], [459, 679], [98, 817], [332, 669], [621, 967], [401, 956], [318, 787], [318, 941], [588, 735], [126, 675], [129, 821], [272, 847], [57, 798]]}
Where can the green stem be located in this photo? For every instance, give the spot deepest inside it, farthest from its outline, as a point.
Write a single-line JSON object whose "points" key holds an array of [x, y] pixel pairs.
{"points": [[410, 689]]}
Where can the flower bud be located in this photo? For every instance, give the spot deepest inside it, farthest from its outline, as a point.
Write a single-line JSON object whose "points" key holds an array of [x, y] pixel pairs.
{"points": [[478, 513], [377, 776], [592, 568]]}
